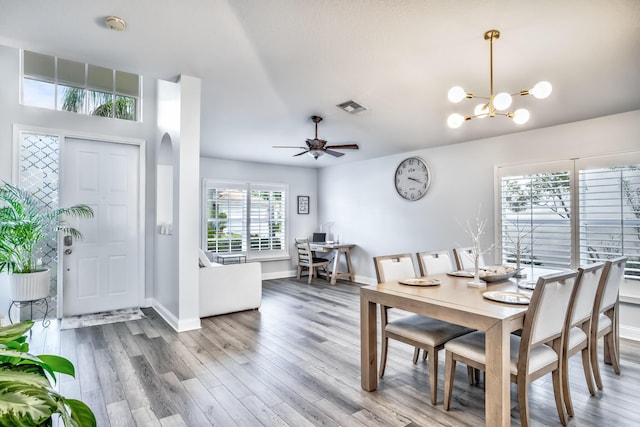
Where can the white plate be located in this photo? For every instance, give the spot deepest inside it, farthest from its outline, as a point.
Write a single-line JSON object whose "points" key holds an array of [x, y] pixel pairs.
{"points": [[461, 273], [507, 297], [527, 285], [419, 282]]}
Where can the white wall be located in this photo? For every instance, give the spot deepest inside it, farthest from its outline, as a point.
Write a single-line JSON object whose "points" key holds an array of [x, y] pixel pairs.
{"points": [[301, 181], [361, 199]]}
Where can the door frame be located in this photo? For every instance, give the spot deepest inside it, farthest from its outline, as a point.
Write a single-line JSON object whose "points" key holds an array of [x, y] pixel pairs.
{"points": [[63, 134]]}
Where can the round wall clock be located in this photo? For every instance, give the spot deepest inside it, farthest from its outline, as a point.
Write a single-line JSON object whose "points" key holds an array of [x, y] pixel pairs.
{"points": [[413, 178]]}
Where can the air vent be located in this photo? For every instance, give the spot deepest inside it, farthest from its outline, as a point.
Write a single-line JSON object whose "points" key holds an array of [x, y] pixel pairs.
{"points": [[351, 107]]}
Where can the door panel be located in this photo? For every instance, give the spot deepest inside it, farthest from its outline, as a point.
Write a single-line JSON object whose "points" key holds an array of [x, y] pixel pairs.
{"points": [[101, 272]]}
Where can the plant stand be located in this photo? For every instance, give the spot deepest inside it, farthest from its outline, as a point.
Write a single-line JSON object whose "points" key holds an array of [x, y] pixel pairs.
{"points": [[38, 302]]}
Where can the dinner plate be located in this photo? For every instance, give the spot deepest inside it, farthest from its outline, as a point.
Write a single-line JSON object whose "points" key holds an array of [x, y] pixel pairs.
{"points": [[507, 297], [419, 282], [527, 285], [461, 273]]}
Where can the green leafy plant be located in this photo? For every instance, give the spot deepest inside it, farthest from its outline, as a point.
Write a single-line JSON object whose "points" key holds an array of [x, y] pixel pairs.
{"points": [[27, 396], [25, 222]]}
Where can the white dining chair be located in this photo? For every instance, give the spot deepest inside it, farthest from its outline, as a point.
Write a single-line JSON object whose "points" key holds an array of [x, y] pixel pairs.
{"points": [[465, 259], [536, 353], [434, 262], [577, 338], [605, 318], [419, 331]]}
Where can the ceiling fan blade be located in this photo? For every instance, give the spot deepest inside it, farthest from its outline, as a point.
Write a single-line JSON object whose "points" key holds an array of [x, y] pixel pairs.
{"points": [[334, 153], [345, 146], [300, 154], [288, 146]]}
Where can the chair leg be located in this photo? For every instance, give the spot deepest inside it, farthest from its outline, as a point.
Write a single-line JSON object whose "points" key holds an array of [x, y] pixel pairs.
{"points": [[424, 356], [416, 353], [586, 366], [299, 271], [471, 375], [311, 273], [523, 402], [566, 391], [612, 351], [594, 363], [383, 356], [449, 374], [557, 392], [433, 375]]}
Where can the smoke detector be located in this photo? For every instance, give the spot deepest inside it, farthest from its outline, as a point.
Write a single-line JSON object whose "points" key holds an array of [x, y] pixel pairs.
{"points": [[115, 23], [351, 107]]}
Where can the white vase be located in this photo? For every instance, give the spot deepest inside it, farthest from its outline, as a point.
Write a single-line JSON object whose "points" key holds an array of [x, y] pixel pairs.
{"points": [[29, 286]]}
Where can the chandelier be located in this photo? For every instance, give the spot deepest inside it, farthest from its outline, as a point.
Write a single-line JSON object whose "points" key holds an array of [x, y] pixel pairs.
{"points": [[495, 104]]}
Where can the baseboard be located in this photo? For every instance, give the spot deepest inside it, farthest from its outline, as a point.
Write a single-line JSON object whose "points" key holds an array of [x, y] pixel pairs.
{"points": [[630, 333], [179, 325], [279, 275]]}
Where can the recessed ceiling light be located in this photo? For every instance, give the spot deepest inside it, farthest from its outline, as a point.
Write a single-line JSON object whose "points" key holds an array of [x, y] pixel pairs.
{"points": [[115, 23]]}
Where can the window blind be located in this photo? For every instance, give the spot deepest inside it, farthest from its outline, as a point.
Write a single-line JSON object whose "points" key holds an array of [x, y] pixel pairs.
{"points": [[267, 215]]}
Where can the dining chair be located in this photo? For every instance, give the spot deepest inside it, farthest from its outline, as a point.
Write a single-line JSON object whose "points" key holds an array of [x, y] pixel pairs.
{"points": [[434, 262], [306, 260], [578, 328], [536, 353], [604, 322], [419, 331], [465, 260]]}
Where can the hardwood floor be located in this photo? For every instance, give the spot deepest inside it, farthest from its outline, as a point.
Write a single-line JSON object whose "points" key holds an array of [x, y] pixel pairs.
{"points": [[294, 362]]}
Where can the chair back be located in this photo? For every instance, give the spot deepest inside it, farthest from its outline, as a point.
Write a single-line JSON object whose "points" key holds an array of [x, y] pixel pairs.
{"points": [[585, 293], [547, 312], [607, 295], [394, 267], [304, 251], [434, 262], [465, 259]]}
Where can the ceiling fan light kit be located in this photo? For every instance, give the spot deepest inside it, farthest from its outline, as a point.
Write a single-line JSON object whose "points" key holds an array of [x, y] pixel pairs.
{"points": [[495, 104], [317, 147]]}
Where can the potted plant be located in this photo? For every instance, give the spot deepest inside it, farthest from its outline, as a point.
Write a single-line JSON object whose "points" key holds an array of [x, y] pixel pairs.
{"points": [[24, 224], [27, 397]]}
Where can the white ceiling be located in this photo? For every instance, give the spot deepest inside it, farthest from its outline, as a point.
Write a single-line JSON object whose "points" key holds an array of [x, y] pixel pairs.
{"points": [[267, 66]]}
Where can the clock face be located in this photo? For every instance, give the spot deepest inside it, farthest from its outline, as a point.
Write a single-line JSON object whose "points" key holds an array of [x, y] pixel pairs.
{"points": [[412, 179]]}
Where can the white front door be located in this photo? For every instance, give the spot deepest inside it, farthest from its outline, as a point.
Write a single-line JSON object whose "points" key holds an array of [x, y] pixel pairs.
{"points": [[101, 271]]}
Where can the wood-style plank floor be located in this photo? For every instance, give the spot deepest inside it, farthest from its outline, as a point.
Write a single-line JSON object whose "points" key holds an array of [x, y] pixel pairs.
{"points": [[294, 362]]}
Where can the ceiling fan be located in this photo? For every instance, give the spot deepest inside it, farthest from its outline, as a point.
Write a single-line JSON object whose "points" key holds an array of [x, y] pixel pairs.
{"points": [[317, 147]]}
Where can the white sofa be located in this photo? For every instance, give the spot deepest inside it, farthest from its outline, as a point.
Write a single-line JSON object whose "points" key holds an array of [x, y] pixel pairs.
{"points": [[229, 288]]}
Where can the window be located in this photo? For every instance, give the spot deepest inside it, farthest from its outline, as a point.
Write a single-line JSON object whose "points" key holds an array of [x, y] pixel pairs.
{"points": [[60, 84], [246, 218], [565, 214]]}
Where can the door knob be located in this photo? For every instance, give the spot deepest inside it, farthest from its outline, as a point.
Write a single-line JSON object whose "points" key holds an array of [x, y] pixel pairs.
{"points": [[67, 251]]}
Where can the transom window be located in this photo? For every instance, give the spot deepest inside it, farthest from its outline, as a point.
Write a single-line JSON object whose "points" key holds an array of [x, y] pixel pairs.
{"points": [[570, 213], [60, 84], [248, 218]]}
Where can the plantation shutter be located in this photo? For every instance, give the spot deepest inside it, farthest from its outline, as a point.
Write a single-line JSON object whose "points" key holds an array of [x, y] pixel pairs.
{"points": [[267, 218], [535, 211], [610, 212], [226, 218]]}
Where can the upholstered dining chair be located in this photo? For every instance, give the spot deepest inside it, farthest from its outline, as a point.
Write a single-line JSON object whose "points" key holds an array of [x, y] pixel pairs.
{"points": [[604, 322], [465, 260], [536, 353], [434, 262], [578, 329], [416, 330], [306, 260]]}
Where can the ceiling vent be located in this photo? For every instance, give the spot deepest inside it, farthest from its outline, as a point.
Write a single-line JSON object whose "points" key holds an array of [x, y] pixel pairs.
{"points": [[351, 107]]}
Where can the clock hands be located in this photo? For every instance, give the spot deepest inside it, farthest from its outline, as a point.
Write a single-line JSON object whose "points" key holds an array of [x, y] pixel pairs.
{"points": [[415, 179]]}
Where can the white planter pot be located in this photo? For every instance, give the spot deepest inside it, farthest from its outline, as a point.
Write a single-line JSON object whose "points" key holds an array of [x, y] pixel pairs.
{"points": [[29, 286]]}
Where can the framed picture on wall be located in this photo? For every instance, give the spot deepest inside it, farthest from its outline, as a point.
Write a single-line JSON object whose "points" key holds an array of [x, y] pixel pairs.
{"points": [[303, 204]]}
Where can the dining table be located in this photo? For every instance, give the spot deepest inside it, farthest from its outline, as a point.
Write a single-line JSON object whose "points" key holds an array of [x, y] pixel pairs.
{"points": [[453, 300]]}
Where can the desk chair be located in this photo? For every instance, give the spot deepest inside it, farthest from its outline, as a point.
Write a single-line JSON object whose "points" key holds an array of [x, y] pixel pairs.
{"points": [[306, 260], [533, 355], [416, 330]]}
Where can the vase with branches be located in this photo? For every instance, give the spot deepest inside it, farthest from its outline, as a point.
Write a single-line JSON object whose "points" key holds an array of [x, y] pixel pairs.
{"points": [[475, 231]]}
